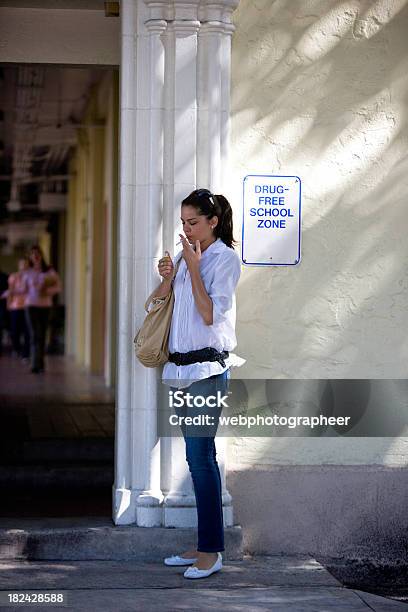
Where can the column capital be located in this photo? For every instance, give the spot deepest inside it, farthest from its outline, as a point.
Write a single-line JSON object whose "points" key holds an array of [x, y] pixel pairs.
{"points": [[217, 10], [216, 27], [156, 25], [203, 10], [173, 9], [183, 27]]}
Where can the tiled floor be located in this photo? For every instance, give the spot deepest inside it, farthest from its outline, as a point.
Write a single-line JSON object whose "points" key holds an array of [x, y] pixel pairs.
{"points": [[62, 379]]}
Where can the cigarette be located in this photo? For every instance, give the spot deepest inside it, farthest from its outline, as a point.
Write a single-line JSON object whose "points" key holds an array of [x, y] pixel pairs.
{"points": [[180, 241]]}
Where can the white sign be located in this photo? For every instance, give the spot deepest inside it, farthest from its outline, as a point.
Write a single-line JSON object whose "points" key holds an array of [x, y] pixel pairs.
{"points": [[271, 220]]}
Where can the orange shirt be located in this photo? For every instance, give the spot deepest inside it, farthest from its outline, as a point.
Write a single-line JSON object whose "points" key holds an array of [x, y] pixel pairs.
{"points": [[16, 283]]}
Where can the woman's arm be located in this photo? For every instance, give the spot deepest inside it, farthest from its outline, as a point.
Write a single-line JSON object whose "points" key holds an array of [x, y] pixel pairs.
{"points": [[202, 299], [222, 288], [13, 289], [51, 284], [162, 290]]}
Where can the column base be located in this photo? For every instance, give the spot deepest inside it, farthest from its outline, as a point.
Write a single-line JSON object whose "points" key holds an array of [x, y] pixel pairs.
{"points": [[187, 516], [132, 506], [181, 511], [149, 509], [123, 506]]}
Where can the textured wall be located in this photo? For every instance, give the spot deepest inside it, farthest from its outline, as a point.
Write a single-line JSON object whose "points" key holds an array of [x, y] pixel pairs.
{"points": [[338, 511], [320, 90]]}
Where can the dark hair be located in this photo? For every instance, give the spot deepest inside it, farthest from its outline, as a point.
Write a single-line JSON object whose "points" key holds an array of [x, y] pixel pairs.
{"points": [[210, 205], [44, 266]]}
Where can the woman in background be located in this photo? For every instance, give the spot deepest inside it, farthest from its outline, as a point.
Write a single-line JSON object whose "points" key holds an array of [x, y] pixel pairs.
{"points": [[3, 306], [15, 304], [41, 284]]}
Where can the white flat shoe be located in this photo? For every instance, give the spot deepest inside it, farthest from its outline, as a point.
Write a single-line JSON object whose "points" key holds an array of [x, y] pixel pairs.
{"points": [[177, 560], [194, 572]]}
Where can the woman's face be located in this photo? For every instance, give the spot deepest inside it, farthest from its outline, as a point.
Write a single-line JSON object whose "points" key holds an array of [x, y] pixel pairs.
{"points": [[22, 264], [35, 256], [196, 226]]}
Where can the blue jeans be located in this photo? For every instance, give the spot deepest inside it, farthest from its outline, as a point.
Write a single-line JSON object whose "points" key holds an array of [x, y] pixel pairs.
{"points": [[203, 466]]}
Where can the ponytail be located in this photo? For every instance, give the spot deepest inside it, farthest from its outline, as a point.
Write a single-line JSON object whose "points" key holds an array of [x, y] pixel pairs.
{"points": [[224, 227], [212, 205]]}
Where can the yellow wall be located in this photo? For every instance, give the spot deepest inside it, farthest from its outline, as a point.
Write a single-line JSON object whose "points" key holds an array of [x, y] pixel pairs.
{"points": [[45, 245], [91, 197]]}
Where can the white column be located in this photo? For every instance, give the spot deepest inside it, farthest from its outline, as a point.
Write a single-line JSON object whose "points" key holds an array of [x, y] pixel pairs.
{"points": [[149, 214], [214, 73], [180, 179], [214, 68], [137, 495], [197, 131], [159, 138], [209, 106], [180, 42], [225, 106], [123, 500]]}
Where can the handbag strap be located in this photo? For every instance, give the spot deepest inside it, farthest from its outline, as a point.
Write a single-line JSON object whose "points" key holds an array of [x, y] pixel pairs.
{"points": [[150, 299]]}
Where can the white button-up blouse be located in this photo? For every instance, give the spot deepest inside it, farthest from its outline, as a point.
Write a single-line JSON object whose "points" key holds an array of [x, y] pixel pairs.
{"points": [[220, 269]]}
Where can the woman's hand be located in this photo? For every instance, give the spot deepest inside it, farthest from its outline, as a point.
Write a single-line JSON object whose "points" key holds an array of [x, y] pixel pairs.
{"points": [[166, 267], [46, 283], [192, 257]]}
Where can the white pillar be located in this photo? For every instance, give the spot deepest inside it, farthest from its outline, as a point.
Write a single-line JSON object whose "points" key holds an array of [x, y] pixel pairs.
{"points": [[180, 42], [149, 204], [214, 74], [166, 70], [137, 494], [123, 500], [196, 135], [214, 69]]}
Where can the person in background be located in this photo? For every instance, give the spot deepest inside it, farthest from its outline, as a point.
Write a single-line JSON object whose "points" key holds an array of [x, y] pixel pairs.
{"points": [[41, 283], [15, 304], [3, 306]]}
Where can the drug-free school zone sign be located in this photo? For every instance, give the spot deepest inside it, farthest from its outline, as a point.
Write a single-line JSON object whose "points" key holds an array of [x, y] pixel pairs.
{"points": [[271, 220]]}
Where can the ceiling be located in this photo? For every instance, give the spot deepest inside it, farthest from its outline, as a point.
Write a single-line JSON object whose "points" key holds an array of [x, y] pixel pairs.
{"points": [[41, 108]]}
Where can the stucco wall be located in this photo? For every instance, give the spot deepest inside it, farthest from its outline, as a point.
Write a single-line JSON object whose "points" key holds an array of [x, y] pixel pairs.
{"points": [[319, 90]]}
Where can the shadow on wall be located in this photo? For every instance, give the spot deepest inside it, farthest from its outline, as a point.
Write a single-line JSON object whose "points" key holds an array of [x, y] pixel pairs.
{"points": [[321, 92]]}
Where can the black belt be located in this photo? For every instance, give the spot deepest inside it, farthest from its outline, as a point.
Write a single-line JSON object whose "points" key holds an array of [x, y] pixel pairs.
{"points": [[205, 354]]}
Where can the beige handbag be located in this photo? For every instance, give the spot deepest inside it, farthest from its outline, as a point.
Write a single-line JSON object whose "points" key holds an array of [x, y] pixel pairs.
{"points": [[151, 341]]}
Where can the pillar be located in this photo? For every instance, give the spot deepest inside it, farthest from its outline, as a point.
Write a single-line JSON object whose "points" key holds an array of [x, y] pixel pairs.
{"points": [[167, 52]]}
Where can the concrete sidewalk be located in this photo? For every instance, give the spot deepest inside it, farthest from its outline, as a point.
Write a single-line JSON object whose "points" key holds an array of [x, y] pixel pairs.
{"points": [[279, 583]]}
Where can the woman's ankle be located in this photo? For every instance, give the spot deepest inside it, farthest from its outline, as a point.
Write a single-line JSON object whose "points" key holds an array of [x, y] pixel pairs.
{"points": [[192, 552]]}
